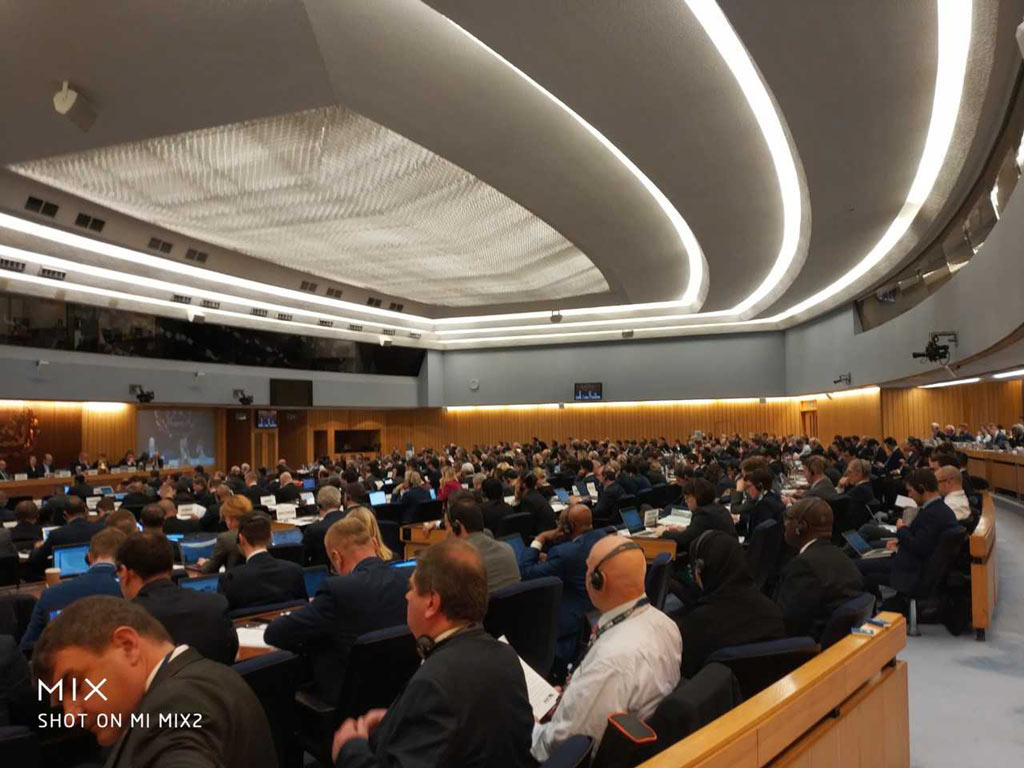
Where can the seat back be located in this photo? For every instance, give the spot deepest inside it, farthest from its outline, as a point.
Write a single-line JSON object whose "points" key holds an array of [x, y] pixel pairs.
{"points": [[656, 581], [518, 522], [20, 746], [9, 571], [758, 665], [574, 752], [15, 613], [253, 610], [290, 552], [648, 496], [379, 666], [845, 617], [940, 562], [672, 494], [527, 615], [273, 678], [426, 511], [847, 515], [391, 535], [764, 552], [389, 512]]}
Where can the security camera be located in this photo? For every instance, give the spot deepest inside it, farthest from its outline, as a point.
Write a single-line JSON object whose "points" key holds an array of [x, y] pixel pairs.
{"points": [[844, 378], [141, 394], [936, 352], [74, 106], [242, 397]]}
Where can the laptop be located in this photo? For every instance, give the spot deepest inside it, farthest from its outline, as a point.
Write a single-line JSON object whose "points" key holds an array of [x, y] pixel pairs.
{"points": [[191, 551], [104, 490], [377, 498], [863, 549], [404, 564], [201, 583], [71, 559], [307, 498], [433, 494], [314, 576], [309, 484], [515, 541], [170, 536], [47, 529], [633, 521], [562, 494], [285, 537]]}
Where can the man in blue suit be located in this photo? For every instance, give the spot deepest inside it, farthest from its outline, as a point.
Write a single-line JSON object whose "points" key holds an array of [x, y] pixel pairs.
{"points": [[568, 562], [77, 530], [367, 595], [100, 579], [915, 542]]}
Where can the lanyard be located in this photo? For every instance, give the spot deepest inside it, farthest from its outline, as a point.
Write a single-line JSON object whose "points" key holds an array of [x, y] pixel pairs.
{"points": [[620, 618]]}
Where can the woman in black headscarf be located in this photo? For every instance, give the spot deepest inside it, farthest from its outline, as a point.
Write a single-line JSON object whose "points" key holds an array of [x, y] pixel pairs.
{"points": [[731, 610]]}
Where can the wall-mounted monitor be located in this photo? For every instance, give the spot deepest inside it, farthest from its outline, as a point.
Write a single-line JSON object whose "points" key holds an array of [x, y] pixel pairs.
{"points": [[587, 393], [266, 419]]}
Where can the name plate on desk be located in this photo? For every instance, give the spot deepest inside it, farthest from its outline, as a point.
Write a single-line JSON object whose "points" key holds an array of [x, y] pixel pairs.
{"points": [[285, 512], [91, 472], [190, 511], [21, 475], [592, 490], [62, 473], [268, 501]]}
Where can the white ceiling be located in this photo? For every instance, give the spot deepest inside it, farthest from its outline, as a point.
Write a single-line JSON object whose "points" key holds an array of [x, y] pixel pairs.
{"points": [[510, 205]]}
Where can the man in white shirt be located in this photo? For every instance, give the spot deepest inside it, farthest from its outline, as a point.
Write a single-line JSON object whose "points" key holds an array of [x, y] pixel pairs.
{"points": [[634, 657], [951, 486]]}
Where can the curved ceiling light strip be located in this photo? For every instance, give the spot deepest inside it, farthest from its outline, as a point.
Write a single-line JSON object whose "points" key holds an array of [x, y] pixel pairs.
{"points": [[697, 273], [954, 45]]}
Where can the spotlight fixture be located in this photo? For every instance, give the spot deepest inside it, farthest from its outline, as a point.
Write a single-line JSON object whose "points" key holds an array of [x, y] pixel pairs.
{"points": [[556, 316], [141, 394], [74, 106], [242, 398], [844, 378]]}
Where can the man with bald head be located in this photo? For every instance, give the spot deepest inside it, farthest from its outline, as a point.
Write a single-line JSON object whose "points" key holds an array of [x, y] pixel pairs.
{"points": [[570, 544], [821, 577], [951, 486], [633, 660], [288, 492]]}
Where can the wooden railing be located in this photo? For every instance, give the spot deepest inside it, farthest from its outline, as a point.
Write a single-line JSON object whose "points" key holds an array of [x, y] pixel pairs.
{"points": [[45, 486], [846, 707], [1003, 471], [984, 570]]}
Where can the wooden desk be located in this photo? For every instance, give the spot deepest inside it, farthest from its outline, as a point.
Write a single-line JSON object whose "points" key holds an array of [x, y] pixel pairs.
{"points": [[248, 651], [984, 569], [846, 707], [1003, 471], [45, 486], [416, 540]]}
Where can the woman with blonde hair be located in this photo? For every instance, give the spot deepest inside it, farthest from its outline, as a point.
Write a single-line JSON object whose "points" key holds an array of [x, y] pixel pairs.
{"points": [[367, 518], [449, 483]]}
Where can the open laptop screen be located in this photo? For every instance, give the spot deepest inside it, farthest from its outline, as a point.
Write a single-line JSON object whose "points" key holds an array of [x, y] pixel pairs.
{"points": [[201, 583], [314, 576], [515, 541], [71, 559], [634, 523], [286, 536]]}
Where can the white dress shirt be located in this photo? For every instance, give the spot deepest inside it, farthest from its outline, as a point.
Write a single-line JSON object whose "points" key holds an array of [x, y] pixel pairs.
{"points": [[631, 667], [957, 501]]}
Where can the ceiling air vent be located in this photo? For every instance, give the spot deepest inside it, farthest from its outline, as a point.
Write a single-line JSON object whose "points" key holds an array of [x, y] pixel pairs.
{"points": [[352, 327], [52, 274], [211, 304], [308, 286], [156, 244], [258, 312], [396, 307], [12, 266], [85, 221], [627, 334], [194, 255], [44, 207], [416, 335], [326, 323], [284, 316], [388, 331], [334, 293], [179, 299]]}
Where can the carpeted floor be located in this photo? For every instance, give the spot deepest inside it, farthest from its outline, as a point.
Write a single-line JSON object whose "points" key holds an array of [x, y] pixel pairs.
{"points": [[967, 697]]}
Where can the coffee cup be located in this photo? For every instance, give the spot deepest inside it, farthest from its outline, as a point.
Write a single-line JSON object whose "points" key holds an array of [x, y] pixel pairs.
{"points": [[52, 576]]}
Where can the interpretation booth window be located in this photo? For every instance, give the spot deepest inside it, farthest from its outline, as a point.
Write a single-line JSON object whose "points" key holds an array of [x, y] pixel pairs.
{"points": [[356, 440], [587, 392]]}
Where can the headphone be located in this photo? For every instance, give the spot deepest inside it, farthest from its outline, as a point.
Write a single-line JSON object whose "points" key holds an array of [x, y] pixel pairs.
{"points": [[596, 577], [696, 561], [425, 646], [801, 527]]}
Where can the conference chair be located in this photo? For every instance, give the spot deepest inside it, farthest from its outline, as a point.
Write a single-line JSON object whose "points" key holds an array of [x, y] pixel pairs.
{"points": [[656, 581], [391, 535], [694, 703], [764, 551], [15, 613], [9, 571], [389, 513], [426, 511], [648, 496], [846, 516], [526, 614], [574, 752], [673, 494], [256, 610], [932, 582], [517, 522], [290, 552], [20, 746], [380, 664], [758, 665], [273, 678], [845, 617]]}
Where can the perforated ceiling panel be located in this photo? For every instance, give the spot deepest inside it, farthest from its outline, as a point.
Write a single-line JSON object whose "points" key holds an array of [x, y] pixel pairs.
{"points": [[332, 193]]}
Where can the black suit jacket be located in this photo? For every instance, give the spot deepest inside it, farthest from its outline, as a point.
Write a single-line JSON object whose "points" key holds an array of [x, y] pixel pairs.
{"points": [[813, 585], [712, 517], [767, 507], [39, 471], [234, 731], [76, 531], [288, 494], [540, 510], [262, 580], [608, 503], [199, 619], [369, 598], [465, 707], [81, 490], [313, 550], [133, 499], [860, 494], [176, 525], [493, 512], [917, 542]]}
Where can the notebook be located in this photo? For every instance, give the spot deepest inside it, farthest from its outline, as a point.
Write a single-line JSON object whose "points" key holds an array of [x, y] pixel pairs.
{"points": [[863, 549]]}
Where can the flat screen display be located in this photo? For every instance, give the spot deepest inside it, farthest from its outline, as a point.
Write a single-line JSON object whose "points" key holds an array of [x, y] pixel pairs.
{"points": [[587, 393], [71, 560], [266, 419], [185, 435]]}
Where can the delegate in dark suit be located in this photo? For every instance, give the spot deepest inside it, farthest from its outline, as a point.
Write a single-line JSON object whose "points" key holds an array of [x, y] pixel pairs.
{"points": [[369, 598], [822, 489], [767, 507], [177, 525], [313, 551], [466, 706], [540, 510], [225, 552], [100, 579], [287, 494], [710, 517], [813, 585], [199, 619], [494, 511], [77, 531], [262, 580], [607, 506], [234, 731]]}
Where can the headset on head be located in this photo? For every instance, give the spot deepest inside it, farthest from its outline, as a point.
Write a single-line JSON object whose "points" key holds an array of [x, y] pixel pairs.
{"points": [[596, 577], [696, 561]]}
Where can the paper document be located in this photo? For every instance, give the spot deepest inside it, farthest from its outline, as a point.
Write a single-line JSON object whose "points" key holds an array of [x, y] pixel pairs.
{"points": [[252, 637], [677, 520], [592, 490], [542, 694], [905, 502], [268, 501]]}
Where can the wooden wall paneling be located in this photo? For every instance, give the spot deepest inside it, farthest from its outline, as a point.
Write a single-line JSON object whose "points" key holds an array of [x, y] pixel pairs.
{"points": [[220, 437], [108, 429], [858, 414], [911, 411], [38, 427], [292, 436], [238, 437]]}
